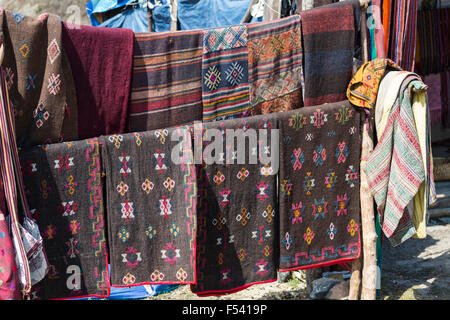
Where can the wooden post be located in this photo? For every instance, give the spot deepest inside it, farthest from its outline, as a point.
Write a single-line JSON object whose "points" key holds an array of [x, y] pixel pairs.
{"points": [[272, 10], [248, 14], [174, 16], [369, 236], [149, 16]]}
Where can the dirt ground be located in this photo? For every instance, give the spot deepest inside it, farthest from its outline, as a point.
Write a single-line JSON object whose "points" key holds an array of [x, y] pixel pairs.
{"points": [[419, 269]]}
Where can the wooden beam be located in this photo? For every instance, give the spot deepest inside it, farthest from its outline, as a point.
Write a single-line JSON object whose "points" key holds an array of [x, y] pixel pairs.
{"points": [[174, 16], [248, 14]]}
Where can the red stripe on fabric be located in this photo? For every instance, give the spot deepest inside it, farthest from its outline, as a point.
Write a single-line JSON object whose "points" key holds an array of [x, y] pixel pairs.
{"points": [[166, 103]]}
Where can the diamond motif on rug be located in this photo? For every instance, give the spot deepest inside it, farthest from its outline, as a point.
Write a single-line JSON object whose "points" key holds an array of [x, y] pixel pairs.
{"points": [[234, 74], [212, 78]]}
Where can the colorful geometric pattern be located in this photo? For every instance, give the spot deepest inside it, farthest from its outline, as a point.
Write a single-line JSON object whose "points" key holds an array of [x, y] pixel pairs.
{"points": [[320, 216], [151, 224], [236, 230], [73, 224], [225, 90], [275, 64]]}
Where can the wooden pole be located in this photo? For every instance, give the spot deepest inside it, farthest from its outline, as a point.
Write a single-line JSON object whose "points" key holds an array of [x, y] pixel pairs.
{"points": [[369, 235], [149, 16], [248, 14], [355, 279], [174, 16]]}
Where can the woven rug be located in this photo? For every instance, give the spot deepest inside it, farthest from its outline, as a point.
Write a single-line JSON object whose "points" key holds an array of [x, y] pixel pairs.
{"points": [[237, 244], [101, 60], [319, 191], [225, 88], [167, 87], [64, 192], [329, 41], [151, 209], [275, 65], [39, 78]]}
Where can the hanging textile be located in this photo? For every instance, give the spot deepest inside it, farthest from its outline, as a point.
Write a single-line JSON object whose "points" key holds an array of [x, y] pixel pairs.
{"points": [[328, 53], [225, 87], [375, 26], [167, 86], [63, 185], [151, 207], [39, 78], [101, 61], [237, 215], [402, 44], [275, 65], [433, 81], [362, 90], [320, 150], [399, 165]]}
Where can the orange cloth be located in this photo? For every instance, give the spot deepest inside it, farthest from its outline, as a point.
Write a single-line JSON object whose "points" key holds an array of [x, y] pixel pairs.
{"points": [[386, 23]]}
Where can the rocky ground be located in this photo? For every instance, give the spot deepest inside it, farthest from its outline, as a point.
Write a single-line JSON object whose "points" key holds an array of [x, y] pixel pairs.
{"points": [[419, 269]]}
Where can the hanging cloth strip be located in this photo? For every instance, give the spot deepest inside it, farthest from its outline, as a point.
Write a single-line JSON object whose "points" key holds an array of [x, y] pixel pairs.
{"points": [[39, 78], [397, 167], [101, 61], [64, 190], [151, 206], [237, 209], [167, 86], [402, 45], [225, 87], [275, 65], [319, 192], [9, 278], [329, 45]]}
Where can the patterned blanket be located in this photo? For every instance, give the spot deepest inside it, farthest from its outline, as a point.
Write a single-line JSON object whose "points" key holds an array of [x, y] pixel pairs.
{"points": [[39, 78], [329, 42], [151, 208], [237, 228], [167, 87], [275, 65], [319, 190], [64, 192], [225, 88]]}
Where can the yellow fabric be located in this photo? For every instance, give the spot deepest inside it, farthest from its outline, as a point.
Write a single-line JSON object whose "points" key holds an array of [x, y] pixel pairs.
{"points": [[420, 206], [363, 88]]}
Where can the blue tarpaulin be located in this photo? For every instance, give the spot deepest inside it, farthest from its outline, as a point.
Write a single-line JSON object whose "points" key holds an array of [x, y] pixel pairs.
{"points": [[134, 18], [204, 14]]}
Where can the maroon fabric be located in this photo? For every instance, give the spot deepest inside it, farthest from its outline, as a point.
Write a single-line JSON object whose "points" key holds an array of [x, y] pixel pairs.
{"points": [[101, 61]]}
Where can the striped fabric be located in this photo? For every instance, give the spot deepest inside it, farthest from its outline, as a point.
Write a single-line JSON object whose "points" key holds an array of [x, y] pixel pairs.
{"points": [[275, 65], [166, 86], [329, 41], [9, 158], [395, 169], [225, 88], [402, 47]]}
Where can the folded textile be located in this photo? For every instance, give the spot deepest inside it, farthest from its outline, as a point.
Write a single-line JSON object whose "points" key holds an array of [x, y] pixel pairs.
{"points": [[151, 207], [167, 85], [101, 60], [63, 185], [39, 78], [225, 87], [237, 219], [329, 45], [275, 65], [319, 194], [362, 90], [398, 166]]}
